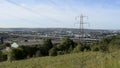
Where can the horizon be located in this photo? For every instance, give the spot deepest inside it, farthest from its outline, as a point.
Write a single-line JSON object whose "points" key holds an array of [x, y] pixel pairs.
{"points": [[54, 28], [103, 14]]}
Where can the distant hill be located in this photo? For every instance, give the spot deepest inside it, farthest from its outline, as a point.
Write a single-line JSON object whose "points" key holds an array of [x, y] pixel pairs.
{"points": [[51, 29]]}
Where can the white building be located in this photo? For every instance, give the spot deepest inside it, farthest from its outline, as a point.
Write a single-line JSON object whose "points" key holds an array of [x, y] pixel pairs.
{"points": [[14, 45]]}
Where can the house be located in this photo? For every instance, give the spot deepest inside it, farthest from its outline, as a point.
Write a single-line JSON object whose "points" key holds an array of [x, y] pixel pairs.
{"points": [[8, 48], [14, 45]]}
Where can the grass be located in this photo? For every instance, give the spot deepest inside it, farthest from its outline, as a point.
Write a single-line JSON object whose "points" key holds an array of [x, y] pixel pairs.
{"points": [[77, 60]]}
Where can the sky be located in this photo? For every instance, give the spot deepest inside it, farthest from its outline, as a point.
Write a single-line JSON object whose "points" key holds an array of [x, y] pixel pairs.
{"points": [[100, 14]]}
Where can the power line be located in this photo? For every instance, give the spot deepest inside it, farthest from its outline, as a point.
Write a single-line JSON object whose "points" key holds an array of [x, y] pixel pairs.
{"points": [[12, 2], [55, 4], [67, 3], [31, 10], [16, 17]]}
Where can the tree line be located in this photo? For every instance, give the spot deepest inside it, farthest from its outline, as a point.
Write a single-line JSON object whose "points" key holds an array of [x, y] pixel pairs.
{"points": [[66, 46]]}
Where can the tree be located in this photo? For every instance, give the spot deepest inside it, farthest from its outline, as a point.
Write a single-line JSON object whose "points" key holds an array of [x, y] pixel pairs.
{"points": [[7, 44], [29, 51], [67, 45], [16, 54], [46, 46], [47, 43]]}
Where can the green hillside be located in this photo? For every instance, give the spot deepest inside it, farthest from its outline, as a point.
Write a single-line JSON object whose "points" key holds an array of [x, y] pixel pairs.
{"points": [[77, 60]]}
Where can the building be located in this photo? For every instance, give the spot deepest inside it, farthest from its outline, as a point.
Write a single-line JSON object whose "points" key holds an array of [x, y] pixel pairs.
{"points": [[14, 45]]}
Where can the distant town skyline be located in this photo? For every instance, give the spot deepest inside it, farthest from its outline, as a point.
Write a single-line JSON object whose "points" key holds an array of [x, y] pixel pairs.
{"points": [[102, 14]]}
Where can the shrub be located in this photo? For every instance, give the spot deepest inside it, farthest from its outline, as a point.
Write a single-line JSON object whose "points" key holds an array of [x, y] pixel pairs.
{"points": [[38, 53], [10, 56], [60, 53], [95, 48], [7, 44], [53, 52], [104, 48], [29, 51], [67, 45], [60, 47], [78, 49], [3, 56], [43, 51], [82, 47], [15, 54]]}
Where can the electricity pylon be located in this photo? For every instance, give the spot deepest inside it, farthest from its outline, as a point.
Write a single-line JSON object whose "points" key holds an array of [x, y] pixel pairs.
{"points": [[81, 27]]}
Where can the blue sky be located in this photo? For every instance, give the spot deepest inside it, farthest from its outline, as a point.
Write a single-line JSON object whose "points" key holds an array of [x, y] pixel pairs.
{"points": [[102, 14]]}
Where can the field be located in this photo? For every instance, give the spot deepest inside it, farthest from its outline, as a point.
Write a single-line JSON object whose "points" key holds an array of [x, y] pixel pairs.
{"points": [[77, 60]]}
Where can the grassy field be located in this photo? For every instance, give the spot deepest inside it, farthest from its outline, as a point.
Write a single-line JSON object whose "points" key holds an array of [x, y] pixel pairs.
{"points": [[77, 60]]}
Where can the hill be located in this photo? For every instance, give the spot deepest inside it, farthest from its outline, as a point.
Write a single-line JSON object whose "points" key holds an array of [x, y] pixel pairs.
{"points": [[53, 29], [77, 60]]}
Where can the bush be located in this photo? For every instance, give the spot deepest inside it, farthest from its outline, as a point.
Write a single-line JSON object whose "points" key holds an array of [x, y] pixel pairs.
{"points": [[2, 47], [10, 56], [3, 57], [60, 53], [16, 54], [60, 47], [67, 45], [87, 47], [7, 44], [104, 48], [44, 51], [78, 49], [82, 47], [53, 52], [100, 47], [29, 51], [38, 53], [95, 48]]}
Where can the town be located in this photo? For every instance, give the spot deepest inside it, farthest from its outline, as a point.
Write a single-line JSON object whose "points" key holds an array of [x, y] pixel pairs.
{"points": [[34, 36]]}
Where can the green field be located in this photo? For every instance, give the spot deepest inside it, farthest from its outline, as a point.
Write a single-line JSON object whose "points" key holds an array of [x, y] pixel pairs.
{"points": [[77, 60]]}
